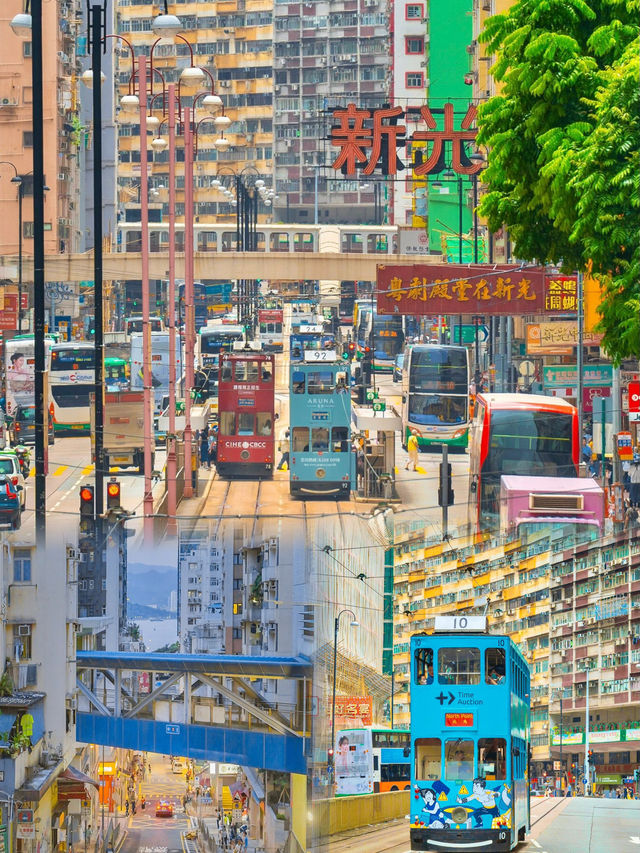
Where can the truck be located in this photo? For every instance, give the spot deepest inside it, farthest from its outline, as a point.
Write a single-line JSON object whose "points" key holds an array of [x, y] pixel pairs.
{"points": [[123, 439], [159, 358]]}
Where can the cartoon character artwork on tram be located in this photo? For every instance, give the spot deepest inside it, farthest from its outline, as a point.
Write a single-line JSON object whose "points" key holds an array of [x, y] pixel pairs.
{"points": [[496, 803], [435, 817], [470, 809]]}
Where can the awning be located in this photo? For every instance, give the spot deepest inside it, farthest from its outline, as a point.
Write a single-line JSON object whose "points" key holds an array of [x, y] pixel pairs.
{"points": [[6, 723], [72, 784]]}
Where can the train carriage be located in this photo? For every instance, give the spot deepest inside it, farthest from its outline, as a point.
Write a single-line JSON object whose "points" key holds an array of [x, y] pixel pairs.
{"points": [[470, 739], [246, 403]]}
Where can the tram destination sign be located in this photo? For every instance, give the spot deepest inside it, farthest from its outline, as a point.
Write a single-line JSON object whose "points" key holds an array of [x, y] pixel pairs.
{"points": [[496, 289], [460, 623], [458, 719]]}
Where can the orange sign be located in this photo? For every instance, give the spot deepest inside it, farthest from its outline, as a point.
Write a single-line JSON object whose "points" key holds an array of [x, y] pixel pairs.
{"points": [[458, 719], [360, 707]]}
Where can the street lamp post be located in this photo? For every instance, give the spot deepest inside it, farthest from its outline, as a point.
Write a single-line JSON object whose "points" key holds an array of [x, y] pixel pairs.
{"points": [[354, 624], [24, 24]]}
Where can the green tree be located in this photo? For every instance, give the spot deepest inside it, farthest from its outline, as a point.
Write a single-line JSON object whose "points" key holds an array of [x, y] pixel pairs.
{"points": [[554, 58]]}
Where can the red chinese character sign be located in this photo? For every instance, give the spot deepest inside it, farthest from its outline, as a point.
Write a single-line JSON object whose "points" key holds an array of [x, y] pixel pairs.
{"points": [[369, 139], [460, 289], [355, 708]]}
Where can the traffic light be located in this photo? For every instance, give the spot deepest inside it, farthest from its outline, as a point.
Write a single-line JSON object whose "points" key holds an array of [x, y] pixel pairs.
{"points": [[113, 494], [330, 758], [87, 502], [445, 485]]}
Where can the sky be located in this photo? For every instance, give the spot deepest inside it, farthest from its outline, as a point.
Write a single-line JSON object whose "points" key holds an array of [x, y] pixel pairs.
{"points": [[163, 557]]}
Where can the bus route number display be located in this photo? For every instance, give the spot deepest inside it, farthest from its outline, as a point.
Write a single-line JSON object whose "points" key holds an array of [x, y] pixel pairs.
{"points": [[457, 719]]}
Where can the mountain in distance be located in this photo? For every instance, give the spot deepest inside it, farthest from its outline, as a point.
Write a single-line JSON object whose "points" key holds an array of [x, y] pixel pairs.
{"points": [[141, 611], [152, 586]]}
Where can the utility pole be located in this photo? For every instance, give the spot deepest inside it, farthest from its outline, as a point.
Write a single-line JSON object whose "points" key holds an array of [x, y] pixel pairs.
{"points": [[587, 770], [445, 492]]}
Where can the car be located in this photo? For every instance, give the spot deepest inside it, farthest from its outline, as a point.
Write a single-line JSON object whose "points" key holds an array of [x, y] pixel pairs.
{"points": [[10, 509], [397, 367], [23, 427], [177, 767], [10, 468], [164, 809]]}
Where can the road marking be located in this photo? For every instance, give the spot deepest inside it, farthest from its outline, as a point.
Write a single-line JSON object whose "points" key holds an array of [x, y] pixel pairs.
{"points": [[60, 470], [87, 470], [539, 846], [32, 472], [420, 470]]}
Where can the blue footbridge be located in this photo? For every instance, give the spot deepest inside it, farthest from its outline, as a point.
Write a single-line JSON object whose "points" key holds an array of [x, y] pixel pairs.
{"points": [[206, 707]]}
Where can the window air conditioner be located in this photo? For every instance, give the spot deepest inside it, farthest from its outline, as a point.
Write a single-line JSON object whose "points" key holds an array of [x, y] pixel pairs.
{"points": [[24, 630]]}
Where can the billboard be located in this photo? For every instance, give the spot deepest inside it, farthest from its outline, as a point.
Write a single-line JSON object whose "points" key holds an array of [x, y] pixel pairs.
{"points": [[557, 338], [355, 708]]}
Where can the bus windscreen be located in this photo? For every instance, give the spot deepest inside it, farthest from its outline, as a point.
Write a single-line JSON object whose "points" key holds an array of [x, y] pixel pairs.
{"points": [[438, 370], [436, 409], [530, 443]]}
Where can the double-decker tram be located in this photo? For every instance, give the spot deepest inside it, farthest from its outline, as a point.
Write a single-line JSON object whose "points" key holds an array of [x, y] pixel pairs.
{"points": [[322, 463], [271, 324], [308, 338], [523, 434], [371, 760], [385, 336], [435, 395], [470, 738], [246, 414]]}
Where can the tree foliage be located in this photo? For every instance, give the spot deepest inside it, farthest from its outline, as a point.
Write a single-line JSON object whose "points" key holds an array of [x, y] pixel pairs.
{"points": [[565, 187]]}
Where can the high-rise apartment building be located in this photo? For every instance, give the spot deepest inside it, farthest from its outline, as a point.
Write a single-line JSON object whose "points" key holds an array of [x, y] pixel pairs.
{"points": [[325, 55]]}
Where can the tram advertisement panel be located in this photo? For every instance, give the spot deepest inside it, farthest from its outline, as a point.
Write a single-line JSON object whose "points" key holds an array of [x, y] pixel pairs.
{"points": [[353, 769]]}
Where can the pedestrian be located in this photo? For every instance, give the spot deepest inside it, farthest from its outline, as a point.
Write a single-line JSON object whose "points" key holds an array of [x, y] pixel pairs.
{"points": [[412, 449], [630, 515], [204, 450], [218, 820], [213, 447], [126, 807], [284, 450], [143, 802]]}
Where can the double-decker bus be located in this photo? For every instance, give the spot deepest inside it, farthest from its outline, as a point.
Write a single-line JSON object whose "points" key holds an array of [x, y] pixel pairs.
{"points": [[215, 338], [304, 311], [116, 373], [246, 414], [371, 760], [470, 738], [385, 336], [435, 394], [523, 434], [159, 364], [362, 309], [348, 290], [71, 381], [321, 460], [19, 361], [271, 325], [308, 338], [134, 324], [200, 304]]}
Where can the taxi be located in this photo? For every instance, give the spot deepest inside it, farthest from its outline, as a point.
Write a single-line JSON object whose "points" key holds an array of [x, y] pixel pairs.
{"points": [[164, 809]]}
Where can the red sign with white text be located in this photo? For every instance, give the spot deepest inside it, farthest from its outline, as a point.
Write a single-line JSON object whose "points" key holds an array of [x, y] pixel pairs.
{"points": [[350, 707], [432, 289], [9, 314], [634, 396]]}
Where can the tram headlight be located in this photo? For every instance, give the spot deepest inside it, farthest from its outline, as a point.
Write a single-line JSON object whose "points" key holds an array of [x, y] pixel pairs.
{"points": [[459, 815], [320, 473]]}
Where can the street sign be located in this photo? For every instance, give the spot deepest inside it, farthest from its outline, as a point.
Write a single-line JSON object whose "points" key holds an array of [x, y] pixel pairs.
{"points": [[469, 334], [172, 729], [566, 375], [634, 396], [379, 406], [372, 395]]}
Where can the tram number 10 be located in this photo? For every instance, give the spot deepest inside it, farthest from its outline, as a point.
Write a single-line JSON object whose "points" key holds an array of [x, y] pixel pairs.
{"points": [[460, 623]]}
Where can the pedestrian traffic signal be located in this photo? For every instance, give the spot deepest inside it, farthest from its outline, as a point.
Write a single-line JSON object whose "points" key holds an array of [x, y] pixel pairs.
{"points": [[113, 494], [330, 756], [87, 502]]}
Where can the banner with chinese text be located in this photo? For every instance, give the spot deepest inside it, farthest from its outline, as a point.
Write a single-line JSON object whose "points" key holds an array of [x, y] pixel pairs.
{"points": [[557, 338], [434, 289]]}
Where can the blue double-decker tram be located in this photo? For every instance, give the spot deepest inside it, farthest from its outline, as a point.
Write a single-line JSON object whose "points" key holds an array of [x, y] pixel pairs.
{"points": [[304, 338], [470, 737], [322, 462]]}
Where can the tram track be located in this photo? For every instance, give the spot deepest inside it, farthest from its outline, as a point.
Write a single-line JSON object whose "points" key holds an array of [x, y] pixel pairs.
{"points": [[557, 802]]}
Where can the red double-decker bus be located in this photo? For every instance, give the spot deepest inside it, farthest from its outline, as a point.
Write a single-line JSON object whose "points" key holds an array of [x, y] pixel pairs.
{"points": [[522, 434], [246, 399]]}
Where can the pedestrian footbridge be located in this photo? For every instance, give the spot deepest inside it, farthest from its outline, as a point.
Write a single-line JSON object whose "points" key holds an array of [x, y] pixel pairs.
{"points": [[206, 707]]}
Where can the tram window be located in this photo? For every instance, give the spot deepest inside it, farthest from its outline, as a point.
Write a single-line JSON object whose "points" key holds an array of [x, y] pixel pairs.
{"points": [[227, 423], [264, 423], [297, 381], [266, 371], [492, 758], [226, 371], [424, 666], [339, 439], [245, 423], [459, 666], [319, 438], [427, 754], [458, 759], [300, 439], [341, 382], [320, 382], [494, 666], [246, 371]]}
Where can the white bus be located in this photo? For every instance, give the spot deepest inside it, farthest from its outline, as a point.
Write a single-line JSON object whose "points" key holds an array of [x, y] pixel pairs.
{"points": [[159, 365], [71, 381], [134, 324], [19, 363], [215, 338], [435, 394], [371, 760]]}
